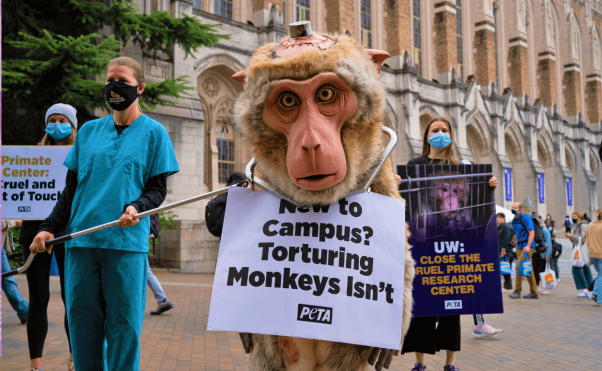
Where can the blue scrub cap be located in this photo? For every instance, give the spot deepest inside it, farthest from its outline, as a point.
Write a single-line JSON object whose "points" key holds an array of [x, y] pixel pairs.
{"points": [[63, 109]]}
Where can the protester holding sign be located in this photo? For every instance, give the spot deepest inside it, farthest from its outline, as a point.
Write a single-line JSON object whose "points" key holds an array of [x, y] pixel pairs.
{"points": [[61, 129], [118, 166], [425, 334]]}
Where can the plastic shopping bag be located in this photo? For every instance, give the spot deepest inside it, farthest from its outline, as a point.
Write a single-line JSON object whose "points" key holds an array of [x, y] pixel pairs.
{"points": [[576, 256], [548, 277], [505, 267], [525, 267]]}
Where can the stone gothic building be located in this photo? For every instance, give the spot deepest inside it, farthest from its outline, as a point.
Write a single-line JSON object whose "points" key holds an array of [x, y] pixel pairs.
{"points": [[521, 81]]}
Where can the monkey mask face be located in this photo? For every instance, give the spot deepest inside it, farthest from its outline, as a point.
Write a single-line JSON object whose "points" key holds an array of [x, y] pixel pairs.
{"points": [[311, 112]]}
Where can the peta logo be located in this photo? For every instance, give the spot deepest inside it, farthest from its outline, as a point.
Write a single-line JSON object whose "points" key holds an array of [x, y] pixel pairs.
{"points": [[311, 313], [453, 304], [24, 209]]}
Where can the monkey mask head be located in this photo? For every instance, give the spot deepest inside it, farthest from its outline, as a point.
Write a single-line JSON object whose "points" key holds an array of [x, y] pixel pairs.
{"points": [[311, 113]]}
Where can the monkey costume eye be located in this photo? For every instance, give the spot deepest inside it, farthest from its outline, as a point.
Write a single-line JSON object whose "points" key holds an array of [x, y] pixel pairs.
{"points": [[288, 100], [325, 94]]}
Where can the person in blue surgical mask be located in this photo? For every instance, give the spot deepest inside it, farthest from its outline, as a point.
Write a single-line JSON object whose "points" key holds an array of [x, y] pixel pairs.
{"points": [[118, 168], [61, 129], [426, 334]]}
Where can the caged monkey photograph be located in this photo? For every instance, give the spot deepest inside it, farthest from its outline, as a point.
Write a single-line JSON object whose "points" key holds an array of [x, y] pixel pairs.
{"points": [[311, 114]]}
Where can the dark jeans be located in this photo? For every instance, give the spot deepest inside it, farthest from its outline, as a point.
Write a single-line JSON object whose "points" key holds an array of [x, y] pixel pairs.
{"points": [[539, 266], [554, 267], [38, 281], [508, 277]]}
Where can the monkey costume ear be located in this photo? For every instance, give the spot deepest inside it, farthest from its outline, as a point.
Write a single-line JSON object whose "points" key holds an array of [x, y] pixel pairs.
{"points": [[378, 57], [240, 76]]}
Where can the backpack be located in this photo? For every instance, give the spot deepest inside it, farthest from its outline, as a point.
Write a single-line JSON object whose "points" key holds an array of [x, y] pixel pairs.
{"points": [[567, 223], [214, 214], [538, 232], [155, 225]]}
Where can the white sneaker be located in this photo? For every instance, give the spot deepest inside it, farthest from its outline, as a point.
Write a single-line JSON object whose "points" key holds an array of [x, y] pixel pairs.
{"points": [[545, 292], [538, 288], [558, 280], [486, 332], [585, 294]]}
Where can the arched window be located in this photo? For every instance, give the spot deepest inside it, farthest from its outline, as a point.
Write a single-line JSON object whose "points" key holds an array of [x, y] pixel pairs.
{"points": [[417, 32], [223, 8], [302, 10], [366, 23], [225, 149]]}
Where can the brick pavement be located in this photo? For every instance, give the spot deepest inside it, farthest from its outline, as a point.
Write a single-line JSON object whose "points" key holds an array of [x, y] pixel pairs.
{"points": [[557, 332]]}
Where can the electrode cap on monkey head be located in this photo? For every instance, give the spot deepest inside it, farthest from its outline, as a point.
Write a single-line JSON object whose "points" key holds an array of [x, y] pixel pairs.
{"points": [[302, 39]]}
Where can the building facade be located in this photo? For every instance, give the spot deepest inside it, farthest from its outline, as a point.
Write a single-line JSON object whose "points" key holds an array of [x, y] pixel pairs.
{"points": [[520, 80]]}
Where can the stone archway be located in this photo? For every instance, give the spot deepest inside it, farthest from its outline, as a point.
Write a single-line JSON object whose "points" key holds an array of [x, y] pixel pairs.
{"points": [[477, 139], [553, 179], [224, 151], [524, 179]]}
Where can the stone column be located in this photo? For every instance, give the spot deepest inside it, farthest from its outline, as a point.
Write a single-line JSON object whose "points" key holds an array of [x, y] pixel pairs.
{"points": [[444, 38], [571, 88], [398, 30], [340, 16], [593, 98], [484, 52], [518, 66], [546, 78]]}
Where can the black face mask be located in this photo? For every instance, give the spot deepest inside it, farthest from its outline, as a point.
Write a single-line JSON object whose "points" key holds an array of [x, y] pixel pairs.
{"points": [[574, 220], [514, 211], [120, 95]]}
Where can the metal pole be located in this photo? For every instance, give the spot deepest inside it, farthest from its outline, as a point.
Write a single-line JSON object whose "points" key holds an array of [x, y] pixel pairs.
{"points": [[113, 224]]}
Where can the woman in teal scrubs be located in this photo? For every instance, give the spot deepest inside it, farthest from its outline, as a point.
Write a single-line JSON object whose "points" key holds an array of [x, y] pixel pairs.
{"points": [[118, 168]]}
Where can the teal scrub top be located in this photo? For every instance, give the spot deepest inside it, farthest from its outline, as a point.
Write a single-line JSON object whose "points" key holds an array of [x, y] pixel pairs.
{"points": [[112, 171]]}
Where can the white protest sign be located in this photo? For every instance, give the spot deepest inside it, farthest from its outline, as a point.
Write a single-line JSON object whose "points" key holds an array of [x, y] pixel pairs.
{"points": [[331, 273], [33, 178]]}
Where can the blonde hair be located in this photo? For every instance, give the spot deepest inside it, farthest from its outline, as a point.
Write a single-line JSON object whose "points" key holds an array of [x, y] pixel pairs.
{"points": [[447, 153], [133, 65], [48, 140], [578, 215], [599, 213]]}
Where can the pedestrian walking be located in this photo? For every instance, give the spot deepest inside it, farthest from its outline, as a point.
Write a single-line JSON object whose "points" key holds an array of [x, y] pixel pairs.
{"points": [[593, 235], [550, 224], [122, 157], [556, 252], [544, 259], [9, 284], [522, 225], [163, 303], [568, 224], [504, 233], [582, 275], [61, 129], [586, 218]]}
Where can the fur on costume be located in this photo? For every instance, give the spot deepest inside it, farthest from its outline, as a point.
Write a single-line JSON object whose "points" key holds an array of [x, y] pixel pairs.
{"points": [[363, 142]]}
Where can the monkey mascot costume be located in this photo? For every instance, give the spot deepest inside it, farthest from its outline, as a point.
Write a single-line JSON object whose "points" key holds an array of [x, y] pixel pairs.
{"points": [[311, 115]]}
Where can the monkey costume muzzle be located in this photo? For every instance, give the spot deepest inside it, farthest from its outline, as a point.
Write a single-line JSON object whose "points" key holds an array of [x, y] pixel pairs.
{"points": [[120, 95]]}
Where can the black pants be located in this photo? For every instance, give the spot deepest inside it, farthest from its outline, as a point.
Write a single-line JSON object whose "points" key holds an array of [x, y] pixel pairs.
{"points": [[425, 337], [508, 277], [539, 265], [38, 281]]}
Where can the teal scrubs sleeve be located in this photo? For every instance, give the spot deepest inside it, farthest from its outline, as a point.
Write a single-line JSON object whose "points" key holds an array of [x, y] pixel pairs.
{"points": [[112, 171]]}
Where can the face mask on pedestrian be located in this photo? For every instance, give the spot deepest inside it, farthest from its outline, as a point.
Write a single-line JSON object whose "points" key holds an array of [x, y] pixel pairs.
{"points": [[574, 220], [59, 131], [514, 211], [440, 140], [120, 95]]}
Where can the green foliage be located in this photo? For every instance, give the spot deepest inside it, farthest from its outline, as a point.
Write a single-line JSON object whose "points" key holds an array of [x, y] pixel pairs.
{"points": [[16, 259], [54, 52], [167, 219]]}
